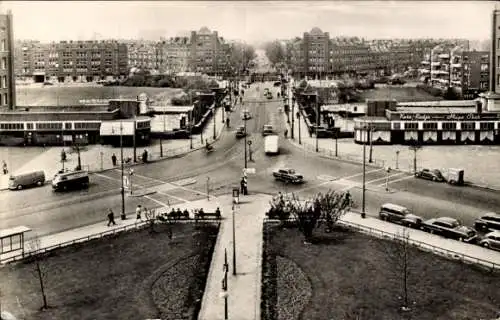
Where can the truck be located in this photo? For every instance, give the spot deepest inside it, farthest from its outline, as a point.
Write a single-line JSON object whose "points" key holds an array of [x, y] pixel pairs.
{"points": [[271, 144], [454, 176], [288, 175]]}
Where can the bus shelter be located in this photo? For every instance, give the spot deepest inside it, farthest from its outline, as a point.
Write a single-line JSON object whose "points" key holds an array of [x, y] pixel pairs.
{"points": [[12, 239]]}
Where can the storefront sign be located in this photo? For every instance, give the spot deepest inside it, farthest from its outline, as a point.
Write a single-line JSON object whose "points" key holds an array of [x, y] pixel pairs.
{"points": [[446, 117]]}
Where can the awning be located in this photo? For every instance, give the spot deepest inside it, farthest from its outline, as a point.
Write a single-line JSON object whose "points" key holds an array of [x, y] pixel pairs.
{"points": [[411, 135], [430, 136], [486, 135], [468, 135], [381, 136], [449, 135]]}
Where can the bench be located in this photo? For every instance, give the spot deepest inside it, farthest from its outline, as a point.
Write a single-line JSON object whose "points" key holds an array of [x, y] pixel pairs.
{"points": [[204, 215]]}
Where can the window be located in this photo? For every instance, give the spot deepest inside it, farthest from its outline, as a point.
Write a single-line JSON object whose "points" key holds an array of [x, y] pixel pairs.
{"points": [[430, 125], [3, 45], [498, 43], [411, 125], [67, 126], [449, 125], [486, 125], [468, 125], [30, 126], [5, 99], [49, 126], [4, 82]]}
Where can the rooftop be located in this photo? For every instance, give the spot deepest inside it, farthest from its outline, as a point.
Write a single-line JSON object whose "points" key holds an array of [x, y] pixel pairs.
{"points": [[58, 109], [435, 110], [442, 103]]}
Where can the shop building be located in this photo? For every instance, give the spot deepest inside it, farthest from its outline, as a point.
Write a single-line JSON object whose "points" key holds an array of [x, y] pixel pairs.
{"points": [[435, 122]]}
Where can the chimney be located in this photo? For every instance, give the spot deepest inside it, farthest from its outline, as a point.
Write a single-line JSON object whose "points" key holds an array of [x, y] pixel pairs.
{"points": [[479, 107]]}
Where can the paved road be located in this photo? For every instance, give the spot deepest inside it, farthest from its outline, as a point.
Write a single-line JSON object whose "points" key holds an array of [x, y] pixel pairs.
{"points": [[186, 179]]}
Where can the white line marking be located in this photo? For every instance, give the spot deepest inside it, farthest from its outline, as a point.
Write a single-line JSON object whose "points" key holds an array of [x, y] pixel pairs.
{"points": [[157, 201], [383, 178], [174, 184], [397, 180]]}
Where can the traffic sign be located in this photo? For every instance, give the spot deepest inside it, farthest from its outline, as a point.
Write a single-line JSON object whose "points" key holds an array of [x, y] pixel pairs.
{"points": [[249, 170]]}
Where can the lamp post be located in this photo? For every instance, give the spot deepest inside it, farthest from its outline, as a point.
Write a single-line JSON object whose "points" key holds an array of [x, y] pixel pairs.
{"points": [[123, 216], [387, 179], [336, 143], [371, 144], [363, 213], [245, 141], [317, 122], [293, 120], [161, 135], [208, 188], [130, 174], [397, 159], [234, 240], [191, 129], [298, 120], [215, 134]]}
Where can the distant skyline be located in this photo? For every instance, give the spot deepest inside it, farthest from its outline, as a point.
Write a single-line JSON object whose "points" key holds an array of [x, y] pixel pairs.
{"points": [[253, 22]]}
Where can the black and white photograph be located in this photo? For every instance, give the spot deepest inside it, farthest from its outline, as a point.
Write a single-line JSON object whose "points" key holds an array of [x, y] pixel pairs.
{"points": [[250, 160]]}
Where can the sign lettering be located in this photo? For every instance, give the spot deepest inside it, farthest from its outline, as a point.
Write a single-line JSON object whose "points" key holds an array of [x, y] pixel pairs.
{"points": [[446, 117]]}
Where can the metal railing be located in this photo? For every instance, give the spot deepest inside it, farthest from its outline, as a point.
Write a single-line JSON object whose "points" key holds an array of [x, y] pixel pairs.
{"points": [[419, 244], [137, 225]]}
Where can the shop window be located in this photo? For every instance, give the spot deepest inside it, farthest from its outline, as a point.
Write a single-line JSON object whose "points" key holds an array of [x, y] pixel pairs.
{"points": [[486, 126], [468, 126], [67, 126], [411, 125], [30, 126], [430, 125], [449, 125]]}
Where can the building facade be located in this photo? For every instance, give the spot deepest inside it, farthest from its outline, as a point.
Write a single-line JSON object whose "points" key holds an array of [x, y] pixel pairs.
{"points": [[143, 55], [205, 46], [7, 81], [71, 61], [174, 55], [495, 52]]}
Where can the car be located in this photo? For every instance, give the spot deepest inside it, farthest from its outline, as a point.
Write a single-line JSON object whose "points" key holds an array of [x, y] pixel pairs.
{"points": [[241, 132], [488, 221], [392, 212], [412, 221], [267, 130], [491, 240], [450, 228], [245, 115], [277, 84], [288, 175], [269, 95], [434, 175]]}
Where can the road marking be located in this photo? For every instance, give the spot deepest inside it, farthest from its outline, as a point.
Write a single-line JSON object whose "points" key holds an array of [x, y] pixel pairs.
{"points": [[174, 184], [397, 180], [325, 177], [383, 178], [157, 201], [143, 187]]}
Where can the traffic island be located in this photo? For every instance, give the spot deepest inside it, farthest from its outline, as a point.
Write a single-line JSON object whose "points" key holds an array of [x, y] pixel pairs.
{"points": [[354, 275], [121, 276]]}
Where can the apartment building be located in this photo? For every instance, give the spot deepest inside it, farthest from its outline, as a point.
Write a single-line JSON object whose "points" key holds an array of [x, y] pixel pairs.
{"points": [[71, 61], [143, 55], [7, 82], [174, 54], [205, 46]]}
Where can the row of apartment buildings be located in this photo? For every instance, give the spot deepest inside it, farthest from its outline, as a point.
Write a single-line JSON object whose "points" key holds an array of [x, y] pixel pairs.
{"points": [[454, 66], [317, 54], [84, 61]]}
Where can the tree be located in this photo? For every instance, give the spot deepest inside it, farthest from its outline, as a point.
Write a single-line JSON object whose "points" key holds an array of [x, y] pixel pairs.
{"points": [[34, 245], [275, 52], [240, 56], [324, 208], [398, 253]]}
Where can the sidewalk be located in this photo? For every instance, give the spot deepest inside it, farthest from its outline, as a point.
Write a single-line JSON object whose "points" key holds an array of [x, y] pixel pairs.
{"points": [[400, 157], [244, 289], [97, 158]]}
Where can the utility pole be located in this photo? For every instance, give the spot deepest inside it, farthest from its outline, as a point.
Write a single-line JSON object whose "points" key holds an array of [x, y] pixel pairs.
{"points": [[317, 122], [245, 142], [215, 134], [191, 128], [371, 144], [363, 213], [293, 117], [123, 216]]}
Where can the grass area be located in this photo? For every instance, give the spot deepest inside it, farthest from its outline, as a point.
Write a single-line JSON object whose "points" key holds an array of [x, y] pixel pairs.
{"points": [[132, 275], [399, 93], [66, 95], [352, 277]]}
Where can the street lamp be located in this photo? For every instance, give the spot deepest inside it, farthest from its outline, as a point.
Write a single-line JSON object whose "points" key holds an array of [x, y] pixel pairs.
{"points": [[317, 122], [236, 195], [123, 216], [298, 120], [245, 141], [363, 200], [130, 174], [293, 120], [191, 128], [397, 159], [215, 135], [371, 144]]}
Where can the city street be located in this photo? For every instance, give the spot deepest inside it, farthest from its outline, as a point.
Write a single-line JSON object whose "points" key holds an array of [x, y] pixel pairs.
{"points": [[191, 176]]}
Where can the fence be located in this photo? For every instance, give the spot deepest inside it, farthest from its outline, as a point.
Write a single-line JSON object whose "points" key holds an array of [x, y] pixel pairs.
{"points": [[137, 225], [419, 244]]}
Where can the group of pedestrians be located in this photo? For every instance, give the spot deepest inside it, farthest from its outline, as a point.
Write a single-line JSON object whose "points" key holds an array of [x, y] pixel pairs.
{"points": [[139, 210], [144, 158]]}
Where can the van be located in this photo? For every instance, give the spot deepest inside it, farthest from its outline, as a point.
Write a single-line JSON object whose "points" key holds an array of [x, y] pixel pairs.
{"points": [[24, 180], [70, 180], [392, 212]]}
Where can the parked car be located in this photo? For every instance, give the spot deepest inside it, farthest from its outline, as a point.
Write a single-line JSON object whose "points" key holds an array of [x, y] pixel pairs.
{"points": [[491, 240], [412, 221], [288, 175], [241, 132], [434, 175], [488, 221], [269, 95], [392, 212], [267, 130], [277, 84], [449, 228]]}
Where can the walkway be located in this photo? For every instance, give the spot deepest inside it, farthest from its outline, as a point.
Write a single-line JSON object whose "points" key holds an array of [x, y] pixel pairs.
{"points": [[97, 158], [244, 289], [400, 157]]}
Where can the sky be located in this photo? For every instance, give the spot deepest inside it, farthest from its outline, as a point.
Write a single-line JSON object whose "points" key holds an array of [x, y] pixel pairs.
{"points": [[252, 21]]}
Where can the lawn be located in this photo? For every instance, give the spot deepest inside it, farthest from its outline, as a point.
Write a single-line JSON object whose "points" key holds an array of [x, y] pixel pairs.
{"points": [[67, 95], [133, 275], [349, 275], [401, 94]]}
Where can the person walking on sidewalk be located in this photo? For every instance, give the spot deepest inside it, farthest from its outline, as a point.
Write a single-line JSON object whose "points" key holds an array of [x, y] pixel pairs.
{"points": [[4, 167], [138, 212], [113, 159], [111, 217], [286, 133]]}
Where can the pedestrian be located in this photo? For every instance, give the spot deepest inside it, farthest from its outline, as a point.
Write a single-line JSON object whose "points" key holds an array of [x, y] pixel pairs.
{"points": [[242, 186], [138, 212], [113, 159], [286, 133], [111, 217], [245, 187], [4, 167]]}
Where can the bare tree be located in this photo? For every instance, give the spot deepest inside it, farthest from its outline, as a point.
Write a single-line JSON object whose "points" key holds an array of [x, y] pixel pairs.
{"points": [[34, 246], [399, 256], [325, 208]]}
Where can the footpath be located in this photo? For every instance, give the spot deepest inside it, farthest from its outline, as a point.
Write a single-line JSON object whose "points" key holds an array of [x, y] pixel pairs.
{"points": [[399, 157], [97, 158]]}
